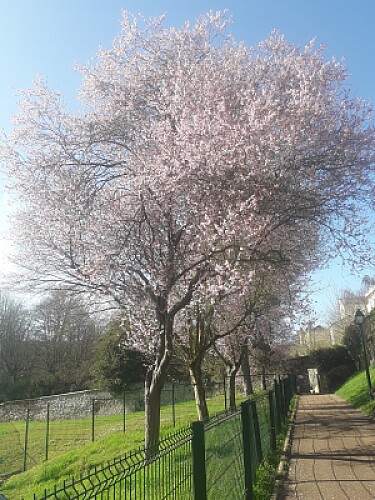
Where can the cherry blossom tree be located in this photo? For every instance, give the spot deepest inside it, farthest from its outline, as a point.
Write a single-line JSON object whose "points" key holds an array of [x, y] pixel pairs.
{"points": [[199, 327], [190, 155], [232, 350], [226, 322], [276, 291]]}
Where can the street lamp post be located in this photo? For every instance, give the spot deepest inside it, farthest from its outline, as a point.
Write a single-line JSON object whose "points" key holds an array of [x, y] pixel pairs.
{"points": [[359, 320]]}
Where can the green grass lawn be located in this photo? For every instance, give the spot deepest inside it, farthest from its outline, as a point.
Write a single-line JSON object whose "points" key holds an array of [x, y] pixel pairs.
{"points": [[47, 442], [355, 391], [80, 454], [63, 436]]}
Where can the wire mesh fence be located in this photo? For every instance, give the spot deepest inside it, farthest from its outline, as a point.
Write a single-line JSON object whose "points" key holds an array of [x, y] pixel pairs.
{"points": [[208, 460], [43, 429], [167, 474], [228, 450], [224, 457], [33, 431], [264, 422]]}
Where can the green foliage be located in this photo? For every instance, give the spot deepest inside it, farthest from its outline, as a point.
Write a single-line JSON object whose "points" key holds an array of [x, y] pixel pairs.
{"points": [[352, 341], [213, 368], [9, 390], [326, 359], [265, 481], [337, 376], [334, 364], [47, 349], [115, 367], [50, 384], [267, 472]]}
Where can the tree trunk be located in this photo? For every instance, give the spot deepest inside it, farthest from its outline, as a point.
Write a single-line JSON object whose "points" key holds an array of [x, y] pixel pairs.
{"points": [[245, 366], [232, 372], [199, 391], [153, 388], [264, 384], [154, 383]]}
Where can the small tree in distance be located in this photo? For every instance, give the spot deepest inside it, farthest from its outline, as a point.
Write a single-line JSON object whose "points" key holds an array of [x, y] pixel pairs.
{"points": [[116, 367], [191, 155]]}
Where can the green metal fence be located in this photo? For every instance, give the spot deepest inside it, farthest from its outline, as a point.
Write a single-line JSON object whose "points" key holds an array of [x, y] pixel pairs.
{"points": [[217, 456], [166, 475], [41, 429], [215, 459]]}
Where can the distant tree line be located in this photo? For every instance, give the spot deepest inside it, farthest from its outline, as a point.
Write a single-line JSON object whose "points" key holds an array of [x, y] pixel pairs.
{"points": [[59, 346], [46, 349]]}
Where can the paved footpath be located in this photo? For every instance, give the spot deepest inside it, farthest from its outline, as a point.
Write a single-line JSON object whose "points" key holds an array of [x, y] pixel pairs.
{"points": [[333, 452]]}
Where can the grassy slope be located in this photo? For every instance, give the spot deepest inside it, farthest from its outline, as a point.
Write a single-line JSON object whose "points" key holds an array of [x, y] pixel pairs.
{"points": [[66, 435], [355, 391], [101, 451]]}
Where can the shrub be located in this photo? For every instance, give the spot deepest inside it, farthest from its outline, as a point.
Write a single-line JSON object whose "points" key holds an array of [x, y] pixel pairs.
{"points": [[337, 376], [334, 365], [325, 359], [115, 366]]}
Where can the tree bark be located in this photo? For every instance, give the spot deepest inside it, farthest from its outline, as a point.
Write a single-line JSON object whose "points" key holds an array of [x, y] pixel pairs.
{"points": [[199, 391], [153, 388], [264, 383], [232, 372], [154, 383], [245, 366]]}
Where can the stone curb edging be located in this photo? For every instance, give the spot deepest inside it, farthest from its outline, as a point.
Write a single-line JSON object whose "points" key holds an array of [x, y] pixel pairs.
{"points": [[283, 468]]}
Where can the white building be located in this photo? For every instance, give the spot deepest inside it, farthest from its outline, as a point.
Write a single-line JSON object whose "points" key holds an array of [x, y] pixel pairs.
{"points": [[370, 300]]}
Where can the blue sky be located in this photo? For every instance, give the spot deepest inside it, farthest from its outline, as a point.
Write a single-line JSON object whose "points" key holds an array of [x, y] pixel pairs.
{"points": [[48, 36]]}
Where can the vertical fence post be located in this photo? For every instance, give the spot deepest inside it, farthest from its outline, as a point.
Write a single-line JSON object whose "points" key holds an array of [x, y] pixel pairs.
{"points": [[93, 420], [225, 393], [173, 407], [282, 399], [288, 393], [255, 419], [295, 384], [199, 461], [246, 438], [124, 412], [271, 404], [264, 384], [47, 431], [277, 405], [26, 439]]}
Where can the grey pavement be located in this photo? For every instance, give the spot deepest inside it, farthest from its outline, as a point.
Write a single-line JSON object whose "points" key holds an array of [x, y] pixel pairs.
{"points": [[333, 452]]}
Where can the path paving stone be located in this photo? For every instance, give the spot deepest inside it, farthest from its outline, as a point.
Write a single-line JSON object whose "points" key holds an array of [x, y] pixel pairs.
{"points": [[333, 452]]}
